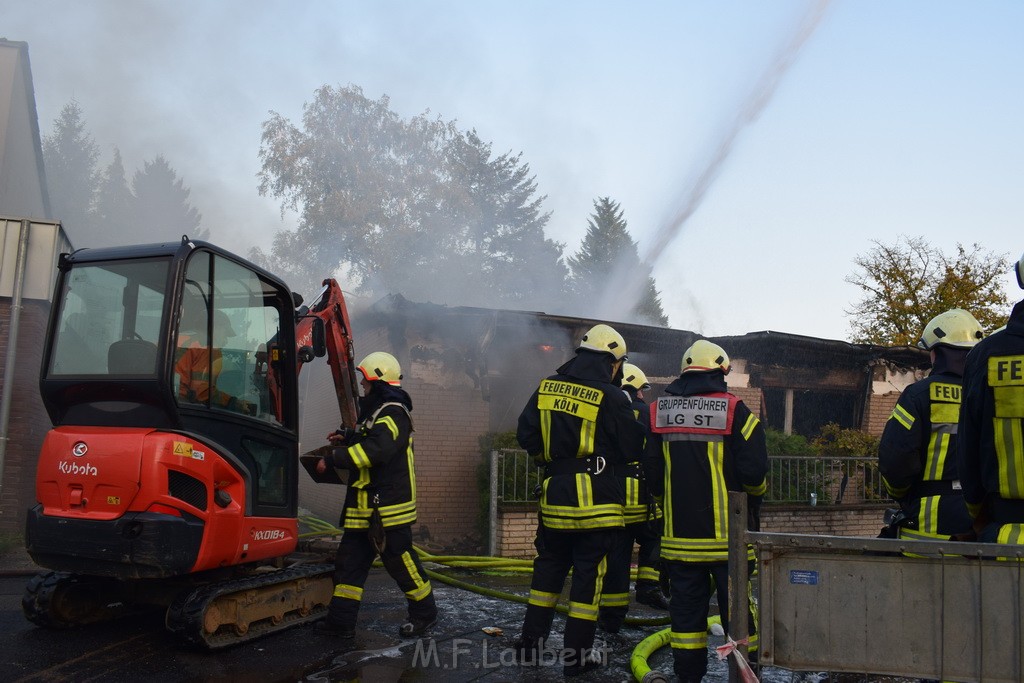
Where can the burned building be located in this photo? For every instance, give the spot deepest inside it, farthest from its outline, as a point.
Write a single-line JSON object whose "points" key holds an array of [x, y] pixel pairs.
{"points": [[470, 371]]}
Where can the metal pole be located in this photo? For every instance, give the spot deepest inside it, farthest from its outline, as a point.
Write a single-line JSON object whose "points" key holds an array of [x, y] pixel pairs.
{"points": [[12, 343], [492, 546], [738, 577]]}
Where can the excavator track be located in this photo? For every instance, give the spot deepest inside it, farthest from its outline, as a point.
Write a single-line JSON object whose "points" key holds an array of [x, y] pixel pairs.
{"points": [[61, 600], [239, 610]]}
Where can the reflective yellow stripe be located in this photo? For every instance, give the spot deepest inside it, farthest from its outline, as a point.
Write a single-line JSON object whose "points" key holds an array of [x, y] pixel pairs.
{"points": [[1011, 534], [758, 490], [587, 431], [647, 574], [543, 599], [694, 640], [349, 592], [1010, 456], [928, 519], [719, 492], [362, 478], [389, 422], [748, 428], [571, 517], [935, 457], [359, 456], [584, 490], [614, 599], [894, 491], [422, 589], [545, 433], [698, 549], [666, 502], [900, 414], [582, 610]]}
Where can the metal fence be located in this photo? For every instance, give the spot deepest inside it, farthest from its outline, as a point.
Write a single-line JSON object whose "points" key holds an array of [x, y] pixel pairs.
{"points": [[791, 479], [517, 477], [824, 480]]}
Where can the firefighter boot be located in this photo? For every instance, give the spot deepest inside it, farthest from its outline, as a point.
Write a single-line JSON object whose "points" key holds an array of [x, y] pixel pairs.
{"points": [[327, 627], [527, 650], [650, 594]]}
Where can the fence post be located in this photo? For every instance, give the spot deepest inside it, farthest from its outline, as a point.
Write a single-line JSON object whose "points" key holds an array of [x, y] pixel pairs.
{"points": [[492, 545], [738, 577]]}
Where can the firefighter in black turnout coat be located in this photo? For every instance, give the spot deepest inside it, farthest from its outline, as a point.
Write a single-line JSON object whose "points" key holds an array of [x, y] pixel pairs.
{"points": [[917, 451], [704, 442], [579, 425], [990, 449], [642, 518], [380, 503]]}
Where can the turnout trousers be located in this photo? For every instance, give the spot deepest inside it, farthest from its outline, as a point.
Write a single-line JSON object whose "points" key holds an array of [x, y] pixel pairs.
{"points": [[615, 596], [352, 565], [585, 552], [691, 584]]}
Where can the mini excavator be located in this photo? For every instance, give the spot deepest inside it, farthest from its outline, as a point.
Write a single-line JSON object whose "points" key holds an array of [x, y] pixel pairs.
{"points": [[170, 479]]}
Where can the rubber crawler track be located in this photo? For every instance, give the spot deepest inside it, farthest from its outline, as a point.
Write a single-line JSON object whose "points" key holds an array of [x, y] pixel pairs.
{"points": [[185, 616]]}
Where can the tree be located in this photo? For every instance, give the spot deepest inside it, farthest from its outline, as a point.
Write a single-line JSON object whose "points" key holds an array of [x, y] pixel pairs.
{"points": [[415, 207], [69, 157], [161, 207], [909, 282], [606, 250], [114, 205]]}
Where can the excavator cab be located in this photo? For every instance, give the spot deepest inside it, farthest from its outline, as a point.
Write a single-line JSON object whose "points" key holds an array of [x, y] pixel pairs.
{"points": [[170, 376]]}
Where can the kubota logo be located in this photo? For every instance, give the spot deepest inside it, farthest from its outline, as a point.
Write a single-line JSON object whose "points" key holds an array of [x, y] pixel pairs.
{"points": [[85, 469], [79, 449], [268, 535]]}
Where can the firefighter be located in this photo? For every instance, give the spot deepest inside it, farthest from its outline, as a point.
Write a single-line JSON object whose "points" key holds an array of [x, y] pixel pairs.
{"points": [[642, 518], [703, 443], [917, 451], [990, 448], [380, 502], [578, 424]]}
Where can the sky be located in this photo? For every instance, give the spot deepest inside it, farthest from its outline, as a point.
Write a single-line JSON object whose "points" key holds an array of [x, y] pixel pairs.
{"points": [[755, 148]]}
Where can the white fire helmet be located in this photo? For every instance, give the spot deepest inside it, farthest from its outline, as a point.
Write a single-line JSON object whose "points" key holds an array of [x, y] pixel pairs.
{"points": [[604, 339], [632, 376], [381, 366], [704, 356], [956, 327]]}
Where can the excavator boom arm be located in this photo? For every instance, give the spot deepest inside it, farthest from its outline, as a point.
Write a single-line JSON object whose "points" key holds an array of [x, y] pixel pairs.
{"points": [[330, 308]]}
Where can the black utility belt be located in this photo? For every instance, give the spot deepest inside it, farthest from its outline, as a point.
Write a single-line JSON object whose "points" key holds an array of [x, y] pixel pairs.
{"points": [[924, 489], [593, 465], [1008, 511]]}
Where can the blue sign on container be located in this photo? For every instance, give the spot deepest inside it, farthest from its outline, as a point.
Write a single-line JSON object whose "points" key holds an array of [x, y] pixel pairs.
{"points": [[803, 576]]}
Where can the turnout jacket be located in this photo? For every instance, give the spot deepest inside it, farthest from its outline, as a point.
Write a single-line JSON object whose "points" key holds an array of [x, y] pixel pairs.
{"points": [[581, 428], [917, 451], [639, 507], [379, 456], [990, 448], [704, 442]]}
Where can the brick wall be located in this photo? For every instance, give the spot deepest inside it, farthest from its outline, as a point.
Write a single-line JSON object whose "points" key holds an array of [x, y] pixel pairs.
{"points": [[828, 520], [28, 421], [518, 525], [448, 424], [879, 409]]}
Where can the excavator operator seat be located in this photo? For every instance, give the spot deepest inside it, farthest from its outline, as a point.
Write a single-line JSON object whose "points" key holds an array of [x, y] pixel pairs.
{"points": [[131, 357]]}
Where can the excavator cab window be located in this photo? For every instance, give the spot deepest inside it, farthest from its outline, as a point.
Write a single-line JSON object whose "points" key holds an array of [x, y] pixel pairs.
{"points": [[227, 317], [109, 320]]}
